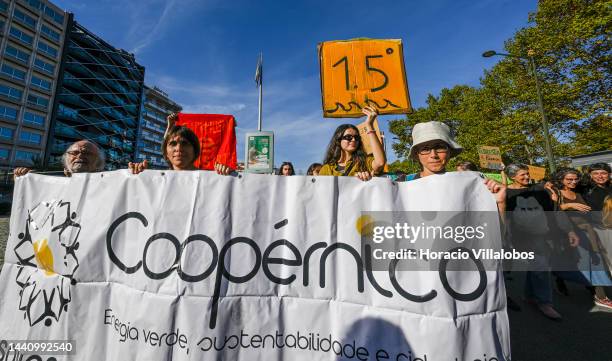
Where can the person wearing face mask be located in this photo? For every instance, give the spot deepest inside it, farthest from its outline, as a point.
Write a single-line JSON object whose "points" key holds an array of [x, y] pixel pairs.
{"points": [[83, 156], [346, 155]]}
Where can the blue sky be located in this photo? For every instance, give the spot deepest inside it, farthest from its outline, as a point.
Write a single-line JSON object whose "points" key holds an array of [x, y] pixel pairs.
{"points": [[203, 53]]}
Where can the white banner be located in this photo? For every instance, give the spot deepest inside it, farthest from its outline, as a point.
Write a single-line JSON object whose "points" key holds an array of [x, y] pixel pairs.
{"points": [[196, 266]]}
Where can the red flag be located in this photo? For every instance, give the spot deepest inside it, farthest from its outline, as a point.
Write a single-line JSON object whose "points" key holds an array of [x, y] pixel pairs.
{"points": [[217, 136]]}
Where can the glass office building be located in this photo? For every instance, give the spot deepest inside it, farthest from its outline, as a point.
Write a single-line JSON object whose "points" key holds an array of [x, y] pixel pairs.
{"points": [[32, 36], [157, 105], [99, 98]]}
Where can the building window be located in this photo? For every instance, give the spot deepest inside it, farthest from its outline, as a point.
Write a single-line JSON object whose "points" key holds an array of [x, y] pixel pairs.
{"points": [[4, 153], [41, 83], [6, 133], [25, 156], [30, 137], [49, 68], [17, 54], [36, 100], [10, 92], [26, 19], [8, 112], [13, 72], [67, 112], [47, 49], [34, 118], [3, 6], [21, 36], [58, 18], [50, 33], [36, 4]]}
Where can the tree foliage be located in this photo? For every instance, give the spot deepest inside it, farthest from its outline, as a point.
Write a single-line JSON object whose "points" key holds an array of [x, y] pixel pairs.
{"points": [[570, 43]]}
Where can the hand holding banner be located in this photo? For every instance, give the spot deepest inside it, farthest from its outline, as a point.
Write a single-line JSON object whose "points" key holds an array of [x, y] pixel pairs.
{"points": [[138, 268]]}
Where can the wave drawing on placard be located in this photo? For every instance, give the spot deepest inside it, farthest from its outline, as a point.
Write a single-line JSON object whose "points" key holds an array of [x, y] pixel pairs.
{"points": [[350, 104]]}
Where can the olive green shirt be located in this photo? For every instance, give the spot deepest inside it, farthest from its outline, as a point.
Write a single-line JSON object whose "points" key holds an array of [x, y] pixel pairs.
{"points": [[335, 170]]}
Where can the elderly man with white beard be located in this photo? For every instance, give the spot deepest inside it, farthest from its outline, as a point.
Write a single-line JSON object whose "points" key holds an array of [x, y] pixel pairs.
{"points": [[82, 156]]}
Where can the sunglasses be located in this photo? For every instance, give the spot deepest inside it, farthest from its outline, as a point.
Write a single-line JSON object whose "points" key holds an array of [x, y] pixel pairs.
{"points": [[349, 137]]}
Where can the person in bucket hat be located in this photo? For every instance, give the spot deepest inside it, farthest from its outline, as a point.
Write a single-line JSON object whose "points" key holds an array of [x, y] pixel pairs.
{"points": [[432, 146]]}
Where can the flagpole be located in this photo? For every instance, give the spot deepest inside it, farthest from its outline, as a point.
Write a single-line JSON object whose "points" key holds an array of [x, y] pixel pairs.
{"points": [[260, 92], [260, 106]]}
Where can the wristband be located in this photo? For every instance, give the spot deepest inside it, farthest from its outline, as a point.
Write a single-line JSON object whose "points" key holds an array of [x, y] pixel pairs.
{"points": [[371, 131]]}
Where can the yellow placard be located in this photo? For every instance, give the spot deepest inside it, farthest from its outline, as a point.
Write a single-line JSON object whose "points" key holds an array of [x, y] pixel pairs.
{"points": [[536, 173], [490, 157], [360, 72]]}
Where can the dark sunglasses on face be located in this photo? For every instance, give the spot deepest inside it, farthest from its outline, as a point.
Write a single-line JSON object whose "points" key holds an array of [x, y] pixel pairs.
{"points": [[349, 137]]}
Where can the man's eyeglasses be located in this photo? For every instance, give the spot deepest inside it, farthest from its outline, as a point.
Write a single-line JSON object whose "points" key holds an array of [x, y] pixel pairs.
{"points": [[82, 152], [349, 137], [438, 148]]}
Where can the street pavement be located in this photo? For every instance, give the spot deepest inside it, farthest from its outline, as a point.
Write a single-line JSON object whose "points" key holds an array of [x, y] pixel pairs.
{"points": [[585, 333]]}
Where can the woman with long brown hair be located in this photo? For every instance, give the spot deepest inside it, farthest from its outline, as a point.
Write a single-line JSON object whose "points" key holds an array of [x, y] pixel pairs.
{"points": [[346, 155]]}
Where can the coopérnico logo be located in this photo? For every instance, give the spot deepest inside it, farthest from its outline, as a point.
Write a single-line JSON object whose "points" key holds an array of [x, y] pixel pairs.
{"points": [[47, 260]]}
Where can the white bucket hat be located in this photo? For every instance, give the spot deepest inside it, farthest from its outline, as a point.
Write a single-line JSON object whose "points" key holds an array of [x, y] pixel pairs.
{"points": [[425, 132]]}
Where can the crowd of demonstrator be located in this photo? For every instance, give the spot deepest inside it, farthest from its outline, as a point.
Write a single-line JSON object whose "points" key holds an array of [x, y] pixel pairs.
{"points": [[570, 209]]}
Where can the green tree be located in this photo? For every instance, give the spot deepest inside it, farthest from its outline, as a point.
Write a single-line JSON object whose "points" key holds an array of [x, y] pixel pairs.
{"points": [[571, 45]]}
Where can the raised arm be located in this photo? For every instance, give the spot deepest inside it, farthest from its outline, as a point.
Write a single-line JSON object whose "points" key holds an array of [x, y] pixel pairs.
{"points": [[171, 121], [379, 154]]}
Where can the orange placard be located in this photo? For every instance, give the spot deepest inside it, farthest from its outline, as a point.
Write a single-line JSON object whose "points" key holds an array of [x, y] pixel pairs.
{"points": [[536, 173], [360, 72]]}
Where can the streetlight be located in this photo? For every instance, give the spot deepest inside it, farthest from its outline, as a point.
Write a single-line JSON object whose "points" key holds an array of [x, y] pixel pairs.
{"points": [[530, 53]]}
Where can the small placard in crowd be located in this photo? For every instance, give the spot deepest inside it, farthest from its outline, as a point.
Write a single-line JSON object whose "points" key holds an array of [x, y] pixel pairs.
{"points": [[259, 152], [536, 173], [490, 157]]}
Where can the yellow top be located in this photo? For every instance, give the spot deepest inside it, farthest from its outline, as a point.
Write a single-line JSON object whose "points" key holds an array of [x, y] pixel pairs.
{"points": [[332, 168]]}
